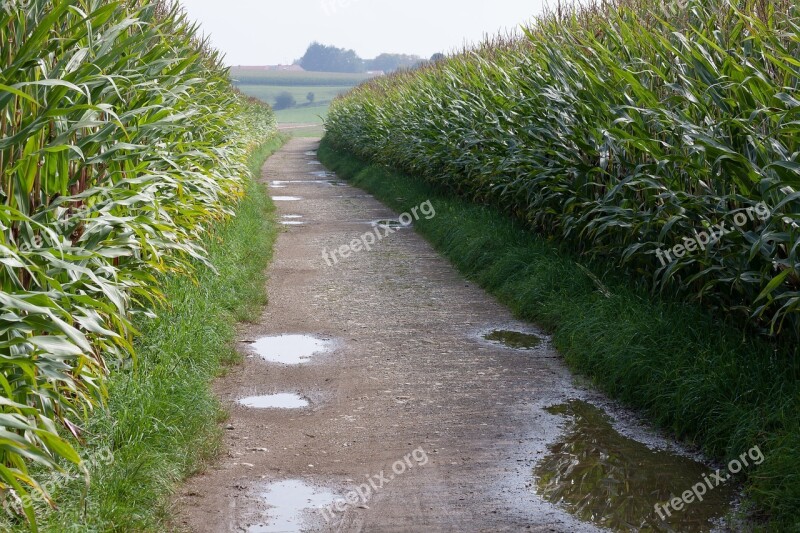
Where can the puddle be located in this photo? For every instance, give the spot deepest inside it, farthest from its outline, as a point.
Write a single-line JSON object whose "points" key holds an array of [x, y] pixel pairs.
{"points": [[292, 216], [611, 480], [289, 349], [275, 401], [389, 224], [314, 163], [286, 198], [290, 504], [323, 174], [514, 339], [311, 153], [292, 223], [336, 183], [296, 182]]}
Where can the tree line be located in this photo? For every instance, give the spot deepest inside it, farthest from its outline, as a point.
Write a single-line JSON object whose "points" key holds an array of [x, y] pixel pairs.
{"points": [[325, 58]]}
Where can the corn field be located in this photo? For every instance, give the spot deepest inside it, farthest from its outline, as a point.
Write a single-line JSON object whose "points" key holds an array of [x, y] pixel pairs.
{"points": [[621, 128], [122, 144]]}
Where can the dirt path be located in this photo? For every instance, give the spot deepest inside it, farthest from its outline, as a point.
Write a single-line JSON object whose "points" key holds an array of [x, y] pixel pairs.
{"points": [[409, 389]]}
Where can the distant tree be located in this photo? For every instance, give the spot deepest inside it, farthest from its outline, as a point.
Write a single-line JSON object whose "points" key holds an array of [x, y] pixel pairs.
{"points": [[311, 97], [437, 57], [284, 100], [392, 62], [323, 58]]}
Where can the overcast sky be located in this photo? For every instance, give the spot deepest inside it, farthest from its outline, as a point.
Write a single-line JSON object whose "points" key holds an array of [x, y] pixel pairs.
{"points": [[267, 32]]}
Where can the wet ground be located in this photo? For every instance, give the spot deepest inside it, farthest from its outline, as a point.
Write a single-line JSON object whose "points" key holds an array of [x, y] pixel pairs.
{"points": [[383, 392]]}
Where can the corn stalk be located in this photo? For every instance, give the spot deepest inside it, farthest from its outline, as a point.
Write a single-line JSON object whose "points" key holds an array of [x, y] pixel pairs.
{"points": [[121, 144]]}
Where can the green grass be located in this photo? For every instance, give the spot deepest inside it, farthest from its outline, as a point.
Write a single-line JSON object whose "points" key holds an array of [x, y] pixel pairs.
{"points": [[689, 371], [302, 115], [244, 76], [162, 421]]}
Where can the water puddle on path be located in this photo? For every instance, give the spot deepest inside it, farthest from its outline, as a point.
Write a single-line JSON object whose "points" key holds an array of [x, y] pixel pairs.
{"points": [[611, 480], [323, 174], [275, 401], [286, 198], [311, 153], [291, 503], [289, 349], [292, 220], [394, 224], [514, 339], [314, 163], [298, 182]]}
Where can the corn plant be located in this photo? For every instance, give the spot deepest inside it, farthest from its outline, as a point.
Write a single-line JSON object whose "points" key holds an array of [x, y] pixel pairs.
{"points": [[621, 128], [122, 143]]}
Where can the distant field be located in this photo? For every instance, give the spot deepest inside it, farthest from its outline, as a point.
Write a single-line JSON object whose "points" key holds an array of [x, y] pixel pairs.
{"points": [[267, 93], [266, 85], [303, 115]]}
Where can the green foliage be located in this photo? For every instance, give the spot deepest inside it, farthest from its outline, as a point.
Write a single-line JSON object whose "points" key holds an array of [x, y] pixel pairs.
{"points": [[393, 62], [621, 128], [121, 145]]}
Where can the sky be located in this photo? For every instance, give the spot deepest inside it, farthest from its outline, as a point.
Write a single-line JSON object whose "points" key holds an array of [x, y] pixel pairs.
{"points": [[270, 32]]}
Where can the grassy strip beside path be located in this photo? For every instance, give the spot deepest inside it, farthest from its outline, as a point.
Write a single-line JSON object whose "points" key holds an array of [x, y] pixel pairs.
{"points": [[162, 422], [690, 372]]}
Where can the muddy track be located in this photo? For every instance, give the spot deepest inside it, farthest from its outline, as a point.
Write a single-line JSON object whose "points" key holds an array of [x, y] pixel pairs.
{"points": [[440, 426]]}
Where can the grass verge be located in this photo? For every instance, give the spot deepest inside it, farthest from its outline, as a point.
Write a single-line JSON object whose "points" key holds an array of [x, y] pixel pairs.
{"points": [[162, 421], [690, 372]]}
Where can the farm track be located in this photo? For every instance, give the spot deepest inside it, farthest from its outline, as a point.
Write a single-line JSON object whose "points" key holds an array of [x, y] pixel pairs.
{"points": [[409, 370]]}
